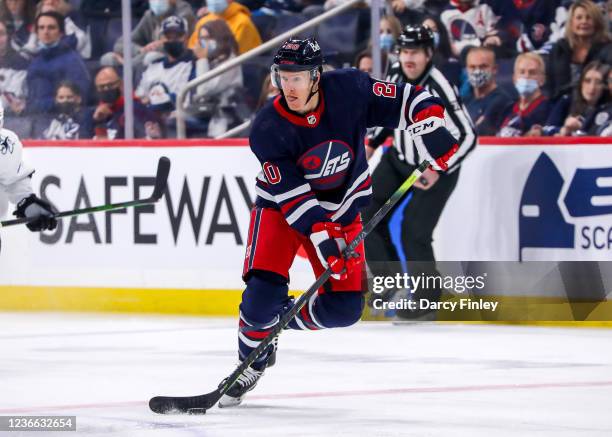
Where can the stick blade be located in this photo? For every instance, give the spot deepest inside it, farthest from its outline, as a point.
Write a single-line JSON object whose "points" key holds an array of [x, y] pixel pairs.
{"points": [[184, 404], [161, 178]]}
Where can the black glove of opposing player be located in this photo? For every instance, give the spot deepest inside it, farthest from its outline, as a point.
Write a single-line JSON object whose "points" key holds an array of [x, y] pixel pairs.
{"points": [[43, 212]]}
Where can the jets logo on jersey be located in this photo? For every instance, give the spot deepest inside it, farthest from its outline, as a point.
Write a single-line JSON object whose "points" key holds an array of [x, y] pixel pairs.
{"points": [[326, 165], [6, 146], [461, 29]]}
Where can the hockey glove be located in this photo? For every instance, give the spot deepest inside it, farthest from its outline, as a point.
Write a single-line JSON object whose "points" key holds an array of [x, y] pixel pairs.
{"points": [[33, 207], [429, 130], [328, 241]]}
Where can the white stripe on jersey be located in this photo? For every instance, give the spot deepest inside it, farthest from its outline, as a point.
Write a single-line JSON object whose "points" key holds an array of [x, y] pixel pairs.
{"points": [[260, 191], [349, 202], [245, 340], [264, 194], [292, 193], [261, 177], [301, 324], [335, 206], [299, 212]]}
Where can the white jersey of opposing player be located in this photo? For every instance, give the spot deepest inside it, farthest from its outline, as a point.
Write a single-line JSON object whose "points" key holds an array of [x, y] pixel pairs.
{"points": [[15, 181]]}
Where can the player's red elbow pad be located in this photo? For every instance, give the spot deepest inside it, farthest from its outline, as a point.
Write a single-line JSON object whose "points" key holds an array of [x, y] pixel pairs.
{"points": [[432, 111]]}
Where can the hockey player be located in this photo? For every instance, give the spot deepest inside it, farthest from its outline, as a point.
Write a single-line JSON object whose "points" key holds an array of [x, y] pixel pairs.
{"points": [[16, 182], [314, 181], [428, 196]]}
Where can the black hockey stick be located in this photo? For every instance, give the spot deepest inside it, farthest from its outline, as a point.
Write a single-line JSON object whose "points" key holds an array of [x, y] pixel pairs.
{"points": [[199, 404], [161, 180]]}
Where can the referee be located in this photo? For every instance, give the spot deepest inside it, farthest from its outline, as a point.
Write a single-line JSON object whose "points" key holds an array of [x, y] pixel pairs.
{"points": [[426, 200]]}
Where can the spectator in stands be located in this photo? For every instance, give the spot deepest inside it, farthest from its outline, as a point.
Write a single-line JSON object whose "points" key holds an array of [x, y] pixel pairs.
{"points": [[13, 71], [599, 123], [571, 110], [487, 103], [164, 78], [443, 57], [528, 114], [470, 23], [83, 42], [409, 12], [67, 121], [18, 17], [390, 30], [364, 62], [268, 91], [399, 6], [237, 17], [108, 118], [56, 61], [221, 96], [525, 26], [146, 34], [586, 36]]}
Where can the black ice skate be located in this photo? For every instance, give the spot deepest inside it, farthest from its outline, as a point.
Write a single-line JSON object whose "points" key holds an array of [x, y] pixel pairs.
{"points": [[245, 383], [248, 380]]}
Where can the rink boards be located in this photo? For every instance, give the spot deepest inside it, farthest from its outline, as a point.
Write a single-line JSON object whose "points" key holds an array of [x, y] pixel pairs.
{"points": [[526, 200]]}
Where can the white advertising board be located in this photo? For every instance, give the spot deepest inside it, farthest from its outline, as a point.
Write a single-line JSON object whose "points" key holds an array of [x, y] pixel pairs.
{"points": [[512, 202], [530, 202], [192, 238]]}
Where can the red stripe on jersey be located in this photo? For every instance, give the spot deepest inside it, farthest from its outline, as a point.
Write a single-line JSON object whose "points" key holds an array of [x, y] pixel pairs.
{"points": [[365, 184], [307, 319], [286, 207], [258, 335], [432, 111]]}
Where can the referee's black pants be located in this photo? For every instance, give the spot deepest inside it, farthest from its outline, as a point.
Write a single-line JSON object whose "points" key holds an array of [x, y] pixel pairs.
{"points": [[419, 220]]}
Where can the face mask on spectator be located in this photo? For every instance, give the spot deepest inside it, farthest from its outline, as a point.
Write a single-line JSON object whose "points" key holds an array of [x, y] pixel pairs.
{"points": [[42, 45], [174, 48], [211, 43], [479, 78], [386, 42], [216, 6], [109, 96], [67, 108], [526, 87], [159, 7]]}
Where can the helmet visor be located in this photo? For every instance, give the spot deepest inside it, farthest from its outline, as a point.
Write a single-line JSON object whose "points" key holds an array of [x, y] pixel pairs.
{"points": [[291, 80]]}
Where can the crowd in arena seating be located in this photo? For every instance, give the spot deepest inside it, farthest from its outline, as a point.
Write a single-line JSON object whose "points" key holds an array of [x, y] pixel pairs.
{"points": [[523, 67]]}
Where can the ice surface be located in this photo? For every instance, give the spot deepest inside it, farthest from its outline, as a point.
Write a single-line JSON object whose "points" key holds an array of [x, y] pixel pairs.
{"points": [[373, 379]]}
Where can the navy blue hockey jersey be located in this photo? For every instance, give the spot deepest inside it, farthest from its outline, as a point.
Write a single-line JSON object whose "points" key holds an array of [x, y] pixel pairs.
{"points": [[314, 167]]}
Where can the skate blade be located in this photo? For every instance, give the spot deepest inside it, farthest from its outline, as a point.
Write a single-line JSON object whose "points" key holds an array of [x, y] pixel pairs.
{"points": [[229, 402]]}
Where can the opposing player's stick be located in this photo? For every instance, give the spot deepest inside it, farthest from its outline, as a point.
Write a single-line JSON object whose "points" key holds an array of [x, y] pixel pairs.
{"points": [[199, 404], [161, 180]]}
